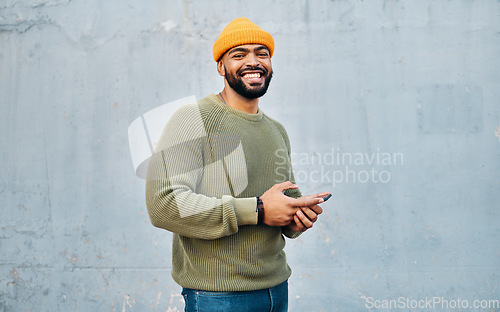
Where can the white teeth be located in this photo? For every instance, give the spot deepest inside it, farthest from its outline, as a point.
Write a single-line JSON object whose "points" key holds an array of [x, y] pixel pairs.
{"points": [[252, 75]]}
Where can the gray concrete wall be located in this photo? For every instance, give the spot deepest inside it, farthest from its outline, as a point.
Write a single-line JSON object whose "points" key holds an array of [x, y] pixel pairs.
{"points": [[390, 105]]}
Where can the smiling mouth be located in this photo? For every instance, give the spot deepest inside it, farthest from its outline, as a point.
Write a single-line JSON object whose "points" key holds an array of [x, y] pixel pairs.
{"points": [[252, 75]]}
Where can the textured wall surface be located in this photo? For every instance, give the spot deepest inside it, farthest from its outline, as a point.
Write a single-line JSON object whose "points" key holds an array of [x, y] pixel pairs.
{"points": [[390, 105]]}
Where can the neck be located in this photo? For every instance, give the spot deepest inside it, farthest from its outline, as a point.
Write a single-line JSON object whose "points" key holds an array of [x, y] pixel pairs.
{"points": [[236, 101]]}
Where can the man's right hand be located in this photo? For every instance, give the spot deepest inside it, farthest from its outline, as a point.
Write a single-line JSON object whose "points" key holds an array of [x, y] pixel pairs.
{"points": [[279, 209]]}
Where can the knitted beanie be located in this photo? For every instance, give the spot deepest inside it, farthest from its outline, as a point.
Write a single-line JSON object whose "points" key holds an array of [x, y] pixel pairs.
{"points": [[241, 31]]}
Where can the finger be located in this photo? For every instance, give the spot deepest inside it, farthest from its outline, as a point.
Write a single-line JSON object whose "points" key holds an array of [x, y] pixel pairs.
{"points": [[305, 220], [322, 194], [310, 214], [301, 227], [317, 209], [285, 186], [308, 200]]}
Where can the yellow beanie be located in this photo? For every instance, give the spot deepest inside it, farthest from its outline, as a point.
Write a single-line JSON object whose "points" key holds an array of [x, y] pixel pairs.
{"points": [[241, 31]]}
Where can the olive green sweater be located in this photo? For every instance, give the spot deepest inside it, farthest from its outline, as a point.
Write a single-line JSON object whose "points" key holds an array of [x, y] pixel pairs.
{"points": [[210, 164]]}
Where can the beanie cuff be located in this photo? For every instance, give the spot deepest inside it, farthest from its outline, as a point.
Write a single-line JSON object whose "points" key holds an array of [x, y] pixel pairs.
{"points": [[241, 31]]}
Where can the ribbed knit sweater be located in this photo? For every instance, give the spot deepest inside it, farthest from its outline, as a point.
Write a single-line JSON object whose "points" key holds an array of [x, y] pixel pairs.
{"points": [[210, 164]]}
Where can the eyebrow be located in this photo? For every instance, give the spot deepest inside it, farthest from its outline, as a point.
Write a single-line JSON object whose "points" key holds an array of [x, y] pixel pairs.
{"points": [[262, 47]]}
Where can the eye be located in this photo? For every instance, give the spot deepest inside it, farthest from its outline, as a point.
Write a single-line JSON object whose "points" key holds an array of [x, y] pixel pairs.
{"points": [[238, 56], [264, 54]]}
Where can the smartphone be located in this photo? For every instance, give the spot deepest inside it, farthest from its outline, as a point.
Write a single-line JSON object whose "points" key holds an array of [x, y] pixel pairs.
{"points": [[327, 197]]}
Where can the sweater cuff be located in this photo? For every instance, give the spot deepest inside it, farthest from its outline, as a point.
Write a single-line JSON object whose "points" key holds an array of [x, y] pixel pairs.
{"points": [[290, 233], [246, 210]]}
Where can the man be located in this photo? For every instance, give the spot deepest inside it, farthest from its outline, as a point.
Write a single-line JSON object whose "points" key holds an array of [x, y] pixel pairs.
{"points": [[214, 182]]}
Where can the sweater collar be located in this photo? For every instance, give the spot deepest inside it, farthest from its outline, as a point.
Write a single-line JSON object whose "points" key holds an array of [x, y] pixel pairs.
{"points": [[229, 109]]}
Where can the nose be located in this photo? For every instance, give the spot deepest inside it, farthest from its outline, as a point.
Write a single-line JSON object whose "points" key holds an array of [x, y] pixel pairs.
{"points": [[252, 59]]}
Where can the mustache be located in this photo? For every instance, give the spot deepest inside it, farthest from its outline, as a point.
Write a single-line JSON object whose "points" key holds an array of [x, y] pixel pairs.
{"points": [[262, 70]]}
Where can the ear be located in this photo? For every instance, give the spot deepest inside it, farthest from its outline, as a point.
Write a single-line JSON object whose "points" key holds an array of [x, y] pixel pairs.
{"points": [[221, 68]]}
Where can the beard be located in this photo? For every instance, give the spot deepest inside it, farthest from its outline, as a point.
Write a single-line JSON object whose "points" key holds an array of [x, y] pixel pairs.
{"points": [[255, 90]]}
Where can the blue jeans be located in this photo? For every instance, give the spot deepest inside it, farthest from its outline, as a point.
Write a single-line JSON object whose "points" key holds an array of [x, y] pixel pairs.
{"points": [[274, 299]]}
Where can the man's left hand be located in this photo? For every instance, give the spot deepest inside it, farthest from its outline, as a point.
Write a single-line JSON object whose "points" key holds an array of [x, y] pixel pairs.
{"points": [[305, 217]]}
